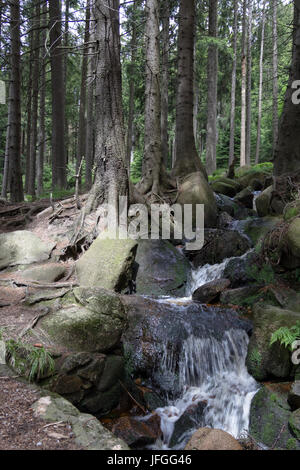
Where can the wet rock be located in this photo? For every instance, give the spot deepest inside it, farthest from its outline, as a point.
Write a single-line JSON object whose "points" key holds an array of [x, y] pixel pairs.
{"points": [[238, 270], [107, 264], [224, 188], [224, 220], [212, 439], [194, 189], [240, 295], [219, 245], [269, 421], [152, 330], [245, 197], [294, 395], [153, 401], [113, 371], [265, 361], [211, 291], [161, 269], [100, 403], [88, 431], [257, 228], [135, 433], [45, 273], [188, 421], [23, 247]]}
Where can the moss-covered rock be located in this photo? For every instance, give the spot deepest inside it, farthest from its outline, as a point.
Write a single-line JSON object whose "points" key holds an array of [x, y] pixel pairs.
{"points": [[93, 325], [224, 188], [269, 420], [291, 210], [194, 189], [107, 263], [88, 431], [22, 247], [291, 251], [265, 361], [294, 423], [262, 202], [161, 269], [245, 197], [257, 228]]}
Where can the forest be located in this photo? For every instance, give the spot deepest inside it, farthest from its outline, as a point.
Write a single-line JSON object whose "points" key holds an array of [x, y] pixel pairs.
{"points": [[150, 225]]}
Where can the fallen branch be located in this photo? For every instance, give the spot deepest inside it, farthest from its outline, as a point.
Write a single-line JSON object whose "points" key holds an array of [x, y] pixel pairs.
{"points": [[54, 285], [132, 398]]}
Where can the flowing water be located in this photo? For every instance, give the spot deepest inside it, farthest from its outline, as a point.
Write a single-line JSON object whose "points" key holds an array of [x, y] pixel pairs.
{"points": [[210, 372]]}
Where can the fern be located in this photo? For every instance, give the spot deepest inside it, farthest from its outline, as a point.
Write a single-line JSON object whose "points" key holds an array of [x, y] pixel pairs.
{"points": [[286, 336], [28, 360]]}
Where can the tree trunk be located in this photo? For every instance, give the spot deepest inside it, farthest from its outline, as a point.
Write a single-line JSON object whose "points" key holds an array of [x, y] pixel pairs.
{"points": [[129, 136], [41, 139], [16, 188], [58, 97], [89, 141], [275, 76], [186, 156], [212, 84], [249, 84], [243, 88], [29, 110], [233, 85], [82, 108], [111, 175], [260, 89], [66, 54], [152, 160], [35, 96], [165, 81], [287, 150]]}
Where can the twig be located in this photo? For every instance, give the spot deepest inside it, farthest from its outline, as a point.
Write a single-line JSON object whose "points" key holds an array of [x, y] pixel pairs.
{"points": [[133, 399]]}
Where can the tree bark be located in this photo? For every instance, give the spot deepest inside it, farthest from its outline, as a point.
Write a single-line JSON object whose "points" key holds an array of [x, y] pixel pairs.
{"points": [[16, 187], [233, 85], [260, 89], [111, 179], [35, 96], [275, 75], [249, 84], [165, 81], [58, 97], [243, 88], [130, 123], [212, 85], [287, 150], [89, 141], [186, 157], [82, 107], [41, 137]]}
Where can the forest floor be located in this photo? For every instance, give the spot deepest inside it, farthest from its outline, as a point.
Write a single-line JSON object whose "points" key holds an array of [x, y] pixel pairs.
{"points": [[19, 428]]}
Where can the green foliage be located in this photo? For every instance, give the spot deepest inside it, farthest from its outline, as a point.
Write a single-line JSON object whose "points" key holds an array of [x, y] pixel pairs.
{"points": [[286, 336], [262, 274], [28, 360]]}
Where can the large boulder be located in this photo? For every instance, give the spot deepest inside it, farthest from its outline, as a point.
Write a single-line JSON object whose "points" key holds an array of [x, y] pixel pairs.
{"points": [[291, 210], [294, 423], [107, 263], [219, 245], [257, 228], [152, 333], [221, 187], [291, 251], [233, 208], [88, 431], [262, 202], [212, 439], [245, 197], [50, 272], [269, 421], [161, 269], [92, 322], [210, 291], [240, 295], [194, 189], [22, 247], [238, 270], [265, 360]]}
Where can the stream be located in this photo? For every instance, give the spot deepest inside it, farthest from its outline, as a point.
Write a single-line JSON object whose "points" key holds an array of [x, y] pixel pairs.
{"points": [[206, 367]]}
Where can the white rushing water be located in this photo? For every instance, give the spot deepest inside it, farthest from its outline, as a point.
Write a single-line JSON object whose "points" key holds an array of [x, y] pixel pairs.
{"points": [[209, 370], [214, 372]]}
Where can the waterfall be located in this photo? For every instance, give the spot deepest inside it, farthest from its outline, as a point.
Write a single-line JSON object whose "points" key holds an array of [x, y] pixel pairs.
{"points": [[211, 371]]}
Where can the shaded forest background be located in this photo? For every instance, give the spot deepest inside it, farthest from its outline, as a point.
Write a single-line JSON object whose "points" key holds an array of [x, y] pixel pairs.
{"points": [[60, 34]]}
